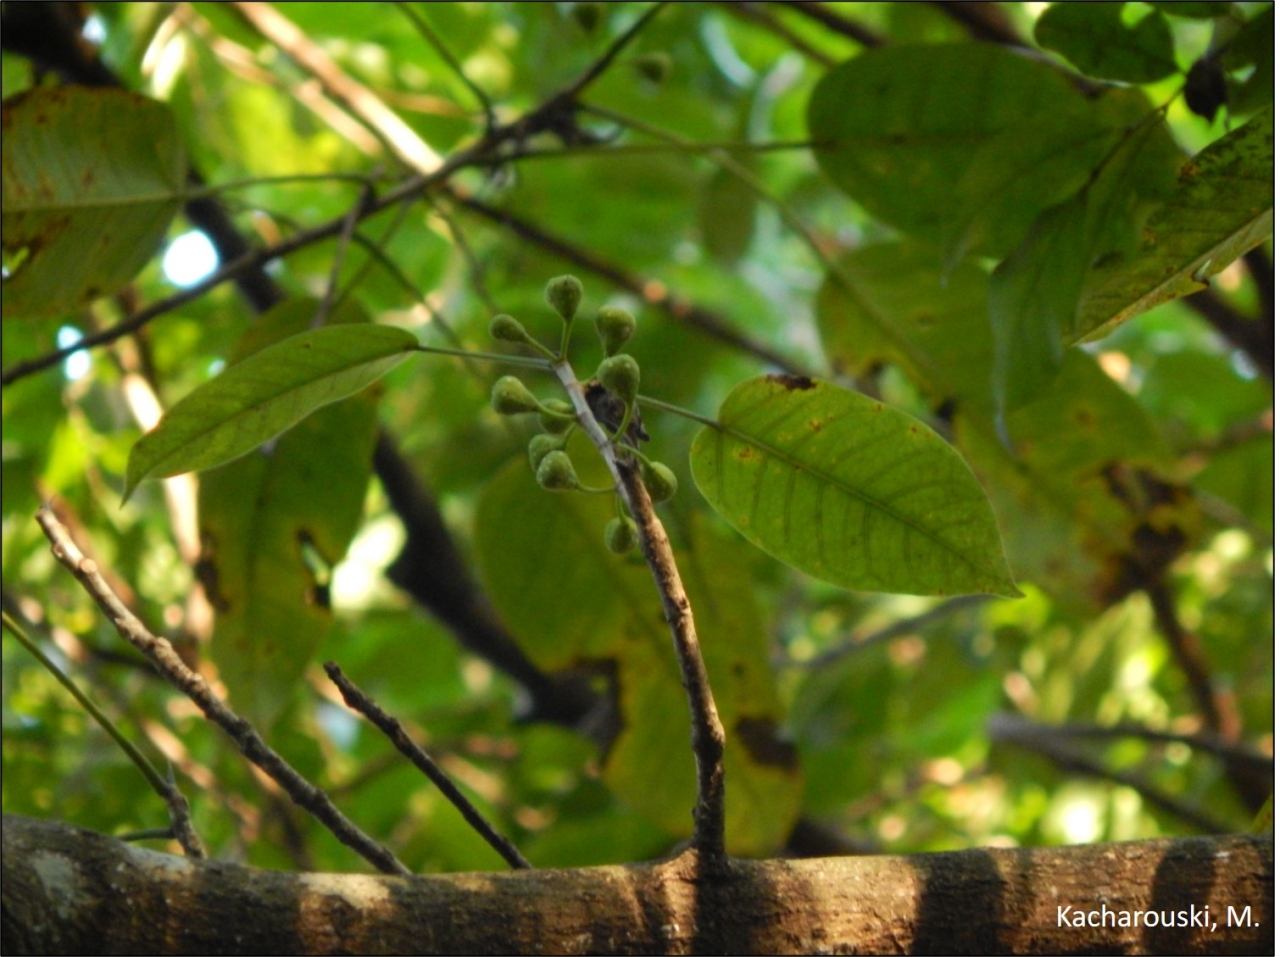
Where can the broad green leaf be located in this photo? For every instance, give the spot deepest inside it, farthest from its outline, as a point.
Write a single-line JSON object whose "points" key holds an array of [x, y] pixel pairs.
{"points": [[1221, 207], [257, 399], [272, 525], [92, 178], [1192, 9], [1036, 292], [849, 490], [945, 337], [958, 144], [1084, 498], [1095, 39], [569, 601]]}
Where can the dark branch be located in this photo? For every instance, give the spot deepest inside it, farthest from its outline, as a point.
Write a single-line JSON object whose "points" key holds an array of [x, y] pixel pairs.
{"points": [[358, 701]]}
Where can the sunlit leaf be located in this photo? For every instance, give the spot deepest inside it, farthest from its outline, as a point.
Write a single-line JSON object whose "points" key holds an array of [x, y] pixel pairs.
{"points": [[257, 399], [849, 490], [1097, 41], [1222, 206], [272, 527], [92, 178]]}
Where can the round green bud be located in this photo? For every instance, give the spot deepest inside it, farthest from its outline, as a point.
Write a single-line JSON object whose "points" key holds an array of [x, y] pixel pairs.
{"points": [[654, 67], [659, 480], [506, 328], [587, 15], [540, 446], [621, 376], [510, 396], [615, 327], [555, 472], [553, 423], [620, 535], [564, 293]]}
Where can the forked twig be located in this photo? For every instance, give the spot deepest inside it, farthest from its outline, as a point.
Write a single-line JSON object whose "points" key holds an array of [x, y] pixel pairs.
{"points": [[161, 654]]}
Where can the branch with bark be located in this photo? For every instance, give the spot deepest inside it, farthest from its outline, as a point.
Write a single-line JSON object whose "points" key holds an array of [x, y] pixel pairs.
{"points": [[1187, 896]]}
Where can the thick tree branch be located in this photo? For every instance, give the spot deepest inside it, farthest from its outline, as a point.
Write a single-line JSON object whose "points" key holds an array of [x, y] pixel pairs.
{"points": [[113, 898]]}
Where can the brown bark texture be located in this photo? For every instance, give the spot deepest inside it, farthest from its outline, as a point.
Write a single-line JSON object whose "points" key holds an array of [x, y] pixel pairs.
{"points": [[67, 890]]}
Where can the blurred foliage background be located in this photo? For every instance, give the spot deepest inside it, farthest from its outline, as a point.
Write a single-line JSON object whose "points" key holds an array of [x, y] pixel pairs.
{"points": [[1129, 694]]}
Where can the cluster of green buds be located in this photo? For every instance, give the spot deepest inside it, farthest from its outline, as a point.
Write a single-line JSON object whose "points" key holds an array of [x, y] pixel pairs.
{"points": [[611, 396]]}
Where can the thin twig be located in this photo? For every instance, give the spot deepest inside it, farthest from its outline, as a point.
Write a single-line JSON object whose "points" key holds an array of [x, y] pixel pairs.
{"points": [[340, 254], [903, 627], [250, 743], [820, 13], [1011, 729], [756, 13], [1217, 708], [429, 34], [707, 732], [181, 828], [358, 701]]}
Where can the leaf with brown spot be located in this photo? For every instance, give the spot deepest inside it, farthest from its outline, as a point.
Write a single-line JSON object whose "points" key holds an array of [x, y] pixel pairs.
{"points": [[874, 501]]}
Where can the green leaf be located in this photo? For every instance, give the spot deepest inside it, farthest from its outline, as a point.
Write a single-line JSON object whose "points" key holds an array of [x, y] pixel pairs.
{"points": [[945, 336], [1036, 292], [273, 525], [1221, 207], [1193, 10], [569, 602], [959, 144], [92, 178], [257, 399], [1095, 39], [849, 491]]}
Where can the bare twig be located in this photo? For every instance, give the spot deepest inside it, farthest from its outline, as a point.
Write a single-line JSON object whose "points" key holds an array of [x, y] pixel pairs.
{"points": [[756, 13], [357, 700], [340, 254], [1217, 708], [249, 742], [429, 34], [1013, 730], [707, 732], [181, 828], [821, 13], [395, 134], [855, 643]]}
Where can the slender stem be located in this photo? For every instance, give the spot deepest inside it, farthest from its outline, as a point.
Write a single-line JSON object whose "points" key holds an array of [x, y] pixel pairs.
{"points": [[527, 361], [433, 38], [179, 811], [707, 733], [161, 654], [360, 702], [668, 407]]}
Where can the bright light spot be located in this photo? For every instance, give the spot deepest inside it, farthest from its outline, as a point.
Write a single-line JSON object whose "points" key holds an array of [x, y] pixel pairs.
{"points": [[216, 366], [1080, 821], [892, 827], [357, 578], [340, 725], [1116, 365], [189, 259], [76, 365], [1231, 544], [94, 29]]}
